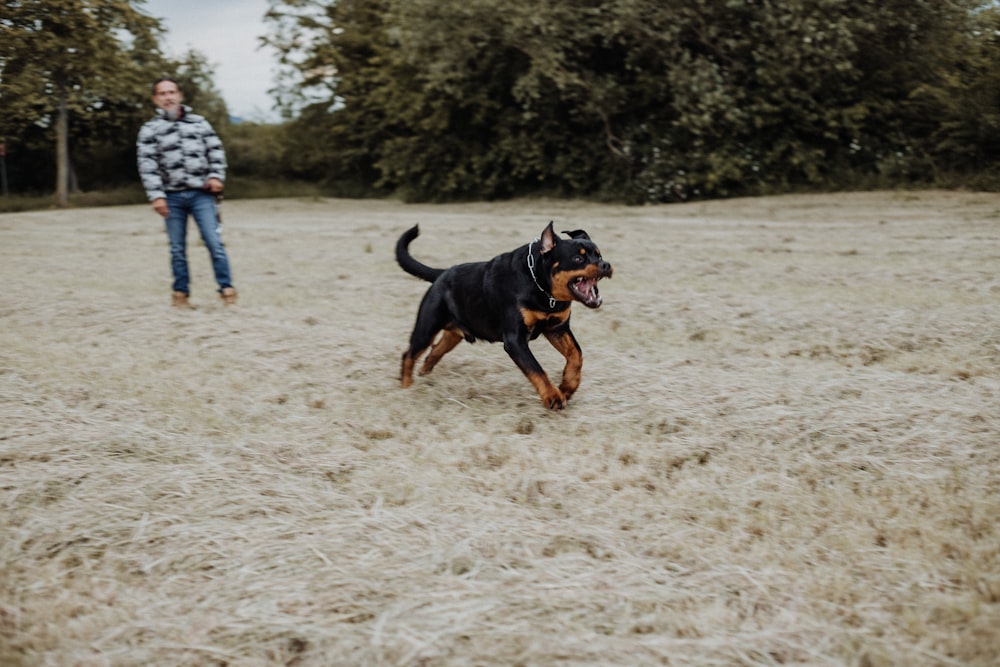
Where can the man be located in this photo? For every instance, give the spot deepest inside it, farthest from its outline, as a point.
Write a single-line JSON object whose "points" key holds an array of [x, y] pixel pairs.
{"points": [[183, 165]]}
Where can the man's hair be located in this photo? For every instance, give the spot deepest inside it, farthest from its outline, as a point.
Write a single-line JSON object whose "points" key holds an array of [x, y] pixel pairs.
{"points": [[165, 78]]}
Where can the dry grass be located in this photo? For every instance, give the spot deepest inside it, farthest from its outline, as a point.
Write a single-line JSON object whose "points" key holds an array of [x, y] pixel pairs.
{"points": [[786, 447]]}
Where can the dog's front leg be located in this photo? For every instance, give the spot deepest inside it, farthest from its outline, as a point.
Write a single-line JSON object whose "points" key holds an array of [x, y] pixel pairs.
{"points": [[564, 341], [516, 345]]}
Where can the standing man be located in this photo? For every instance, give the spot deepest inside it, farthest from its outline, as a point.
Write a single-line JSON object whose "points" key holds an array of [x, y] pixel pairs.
{"points": [[183, 165]]}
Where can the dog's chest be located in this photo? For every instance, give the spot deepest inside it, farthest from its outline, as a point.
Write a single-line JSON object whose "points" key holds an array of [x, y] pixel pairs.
{"points": [[538, 321]]}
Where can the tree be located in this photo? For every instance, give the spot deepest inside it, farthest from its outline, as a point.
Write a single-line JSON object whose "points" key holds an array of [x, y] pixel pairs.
{"points": [[196, 78], [61, 59], [337, 73], [956, 111], [641, 100]]}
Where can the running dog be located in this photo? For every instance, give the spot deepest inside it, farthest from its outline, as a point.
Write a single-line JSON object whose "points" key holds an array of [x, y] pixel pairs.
{"points": [[513, 298]]}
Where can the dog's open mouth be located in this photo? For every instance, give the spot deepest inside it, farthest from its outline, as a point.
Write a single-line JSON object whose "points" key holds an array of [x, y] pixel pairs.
{"points": [[585, 291]]}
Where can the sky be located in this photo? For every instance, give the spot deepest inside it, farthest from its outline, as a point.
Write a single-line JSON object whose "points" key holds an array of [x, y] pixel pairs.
{"points": [[226, 32]]}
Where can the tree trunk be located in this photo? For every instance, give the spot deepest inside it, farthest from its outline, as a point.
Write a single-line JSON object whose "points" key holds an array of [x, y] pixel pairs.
{"points": [[62, 149]]}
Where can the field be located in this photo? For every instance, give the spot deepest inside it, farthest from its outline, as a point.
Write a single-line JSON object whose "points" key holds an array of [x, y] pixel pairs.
{"points": [[785, 449]]}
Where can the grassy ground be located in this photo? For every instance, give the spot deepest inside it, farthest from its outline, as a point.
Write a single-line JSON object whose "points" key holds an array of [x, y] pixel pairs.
{"points": [[785, 450]]}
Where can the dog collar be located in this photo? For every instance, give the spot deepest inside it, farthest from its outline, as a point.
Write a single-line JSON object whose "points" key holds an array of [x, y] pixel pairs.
{"points": [[531, 268]]}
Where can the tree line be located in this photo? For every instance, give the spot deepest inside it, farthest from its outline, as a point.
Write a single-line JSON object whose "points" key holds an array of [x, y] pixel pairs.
{"points": [[623, 100]]}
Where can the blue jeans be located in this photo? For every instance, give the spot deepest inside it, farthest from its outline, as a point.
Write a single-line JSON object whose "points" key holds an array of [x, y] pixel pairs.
{"points": [[200, 205]]}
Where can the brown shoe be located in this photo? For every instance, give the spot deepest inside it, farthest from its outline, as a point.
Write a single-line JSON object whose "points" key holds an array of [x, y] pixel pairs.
{"points": [[180, 300], [228, 295]]}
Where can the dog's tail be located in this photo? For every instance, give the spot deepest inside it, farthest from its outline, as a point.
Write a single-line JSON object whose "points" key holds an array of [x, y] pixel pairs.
{"points": [[410, 265]]}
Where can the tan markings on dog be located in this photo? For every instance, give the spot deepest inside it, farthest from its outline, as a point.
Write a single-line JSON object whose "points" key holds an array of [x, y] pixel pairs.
{"points": [[533, 318], [445, 343], [550, 395], [573, 371], [406, 374], [561, 281]]}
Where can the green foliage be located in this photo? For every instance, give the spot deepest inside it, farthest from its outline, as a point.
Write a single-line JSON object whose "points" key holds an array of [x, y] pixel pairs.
{"points": [[194, 76], [339, 54], [252, 148], [638, 100], [957, 110], [626, 100]]}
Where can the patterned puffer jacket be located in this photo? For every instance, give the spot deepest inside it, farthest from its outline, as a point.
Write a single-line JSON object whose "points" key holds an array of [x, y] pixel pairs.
{"points": [[180, 154]]}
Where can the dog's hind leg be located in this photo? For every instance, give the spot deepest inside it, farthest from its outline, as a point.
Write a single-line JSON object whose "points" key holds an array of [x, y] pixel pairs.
{"points": [[564, 341], [418, 344], [431, 318], [406, 374], [445, 344]]}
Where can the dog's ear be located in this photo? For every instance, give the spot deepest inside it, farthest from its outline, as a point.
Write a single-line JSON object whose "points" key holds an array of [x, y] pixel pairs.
{"points": [[578, 234], [548, 239]]}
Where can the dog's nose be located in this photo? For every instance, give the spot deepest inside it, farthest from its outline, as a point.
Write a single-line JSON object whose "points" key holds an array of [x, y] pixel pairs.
{"points": [[605, 268]]}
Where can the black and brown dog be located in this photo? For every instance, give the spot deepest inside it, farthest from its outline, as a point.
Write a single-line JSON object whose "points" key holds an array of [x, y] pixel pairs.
{"points": [[514, 298]]}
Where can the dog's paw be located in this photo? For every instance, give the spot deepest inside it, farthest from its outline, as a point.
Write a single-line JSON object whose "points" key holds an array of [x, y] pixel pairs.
{"points": [[554, 399]]}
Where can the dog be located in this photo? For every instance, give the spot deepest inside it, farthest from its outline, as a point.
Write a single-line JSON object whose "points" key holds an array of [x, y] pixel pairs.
{"points": [[512, 298]]}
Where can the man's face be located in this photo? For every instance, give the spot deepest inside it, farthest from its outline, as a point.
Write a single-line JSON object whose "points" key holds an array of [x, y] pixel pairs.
{"points": [[168, 96]]}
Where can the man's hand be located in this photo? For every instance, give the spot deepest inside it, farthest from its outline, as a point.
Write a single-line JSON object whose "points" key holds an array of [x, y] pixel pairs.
{"points": [[214, 186], [160, 206]]}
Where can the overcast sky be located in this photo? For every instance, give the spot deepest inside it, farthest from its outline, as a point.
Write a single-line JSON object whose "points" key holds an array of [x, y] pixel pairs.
{"points": [[226, 32]]}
